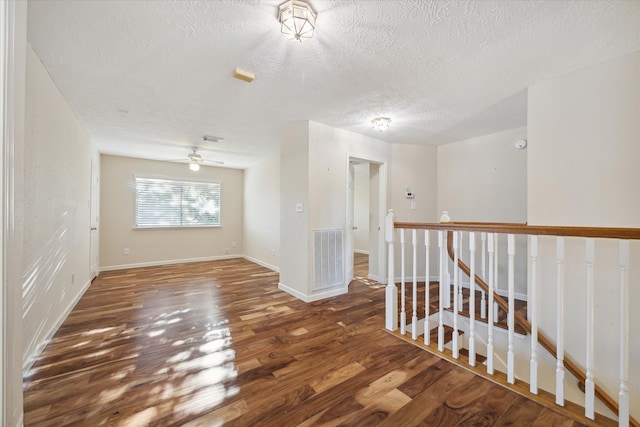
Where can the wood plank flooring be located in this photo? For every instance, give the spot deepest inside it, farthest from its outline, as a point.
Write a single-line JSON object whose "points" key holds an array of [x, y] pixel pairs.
{"points": [[216, 343]]}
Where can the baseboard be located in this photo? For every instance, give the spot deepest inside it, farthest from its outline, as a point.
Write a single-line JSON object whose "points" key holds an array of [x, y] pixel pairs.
{"points": [[31, 359], [313, 297], [262, 263], [359, 251], [168, 262], [373, 277]]}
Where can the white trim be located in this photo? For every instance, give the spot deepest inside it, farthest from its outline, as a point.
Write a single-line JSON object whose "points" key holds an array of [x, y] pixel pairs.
{"points": [[167, 262], [373, 277], [5, 111], [262, 263], [360, 251], [31, 359], [314, 297]]}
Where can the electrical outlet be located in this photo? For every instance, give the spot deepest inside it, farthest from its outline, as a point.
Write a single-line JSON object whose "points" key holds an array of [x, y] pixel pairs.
{"points": [[125, 251], [226, 251], [233, 244]]}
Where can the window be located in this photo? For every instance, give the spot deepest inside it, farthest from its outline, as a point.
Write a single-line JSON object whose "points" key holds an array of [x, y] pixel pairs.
{"points": [[165, 203]]}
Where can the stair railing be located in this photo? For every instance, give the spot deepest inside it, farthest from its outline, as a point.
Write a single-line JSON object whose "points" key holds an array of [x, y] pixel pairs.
{"points": [[450, 239]]}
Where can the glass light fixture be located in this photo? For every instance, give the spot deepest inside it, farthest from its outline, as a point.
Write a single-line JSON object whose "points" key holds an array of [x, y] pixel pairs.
{"points": [[194, 165], [298, 20], [381, 123]]}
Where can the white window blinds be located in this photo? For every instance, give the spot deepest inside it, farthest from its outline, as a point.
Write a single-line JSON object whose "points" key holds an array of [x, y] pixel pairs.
{"points": [[168, 203]]}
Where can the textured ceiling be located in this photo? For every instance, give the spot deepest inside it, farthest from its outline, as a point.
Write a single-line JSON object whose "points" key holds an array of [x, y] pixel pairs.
{"points": [[150, 78]]}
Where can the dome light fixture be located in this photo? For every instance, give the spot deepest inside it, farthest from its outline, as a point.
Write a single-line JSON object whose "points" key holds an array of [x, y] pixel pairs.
{"points": [[194, 165], [381, 123], [297, 19]]}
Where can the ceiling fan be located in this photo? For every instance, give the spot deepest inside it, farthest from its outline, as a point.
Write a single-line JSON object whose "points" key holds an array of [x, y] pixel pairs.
{"points": [[195, 160]]}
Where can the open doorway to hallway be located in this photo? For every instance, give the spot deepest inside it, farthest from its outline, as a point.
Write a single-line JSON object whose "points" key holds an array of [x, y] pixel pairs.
{"points": [[366, 207]]}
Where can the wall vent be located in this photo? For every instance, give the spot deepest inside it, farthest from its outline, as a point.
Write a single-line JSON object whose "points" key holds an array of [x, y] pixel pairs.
{"points": [[328, 271]]}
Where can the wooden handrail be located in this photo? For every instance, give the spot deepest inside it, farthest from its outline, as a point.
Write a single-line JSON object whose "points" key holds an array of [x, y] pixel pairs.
{"points": [[545, 342], [536, 230]]}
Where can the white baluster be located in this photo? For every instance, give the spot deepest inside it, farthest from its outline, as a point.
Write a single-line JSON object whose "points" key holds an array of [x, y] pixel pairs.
{"points": [[472, 299], [623, 395], [391, 291], [459, 271], [589, 385], [456, 253], [560, 323], [427, 285], [533, 310], [483, 301], [443, 260], [447, 282], [511, 252], [403, 314], [496, 260], [414, 317], [490, 320]]}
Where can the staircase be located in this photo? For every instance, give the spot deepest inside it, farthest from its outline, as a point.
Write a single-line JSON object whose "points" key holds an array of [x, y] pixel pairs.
{"points": [[453, 336]]}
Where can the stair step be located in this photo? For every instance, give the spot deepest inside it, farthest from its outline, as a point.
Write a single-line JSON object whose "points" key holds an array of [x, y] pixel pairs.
{"points": [[479, 358], [448, 334], [500, 324]]}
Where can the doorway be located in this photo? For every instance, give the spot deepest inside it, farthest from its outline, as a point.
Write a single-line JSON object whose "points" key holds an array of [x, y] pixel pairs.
{"points": [[93, 221], [366, 208]]}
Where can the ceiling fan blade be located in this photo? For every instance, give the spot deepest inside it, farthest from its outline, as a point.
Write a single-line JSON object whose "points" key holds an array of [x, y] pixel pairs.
{"points": [[213, 162]]}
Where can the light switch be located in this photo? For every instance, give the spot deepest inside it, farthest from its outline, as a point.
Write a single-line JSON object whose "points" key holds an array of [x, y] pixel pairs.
{"points": [[413, 205], [299, 207]]}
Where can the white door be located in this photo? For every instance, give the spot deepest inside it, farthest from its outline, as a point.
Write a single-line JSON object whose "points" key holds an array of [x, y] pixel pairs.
{"points": [[349, 231], [93, 212]]}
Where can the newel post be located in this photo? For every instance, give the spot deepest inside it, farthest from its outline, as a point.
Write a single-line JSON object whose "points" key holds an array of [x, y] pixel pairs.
{"points": [[391, 294]]}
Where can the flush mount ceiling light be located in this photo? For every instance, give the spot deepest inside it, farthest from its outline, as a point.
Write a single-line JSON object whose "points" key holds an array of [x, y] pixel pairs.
{"points": [[381, 123], [298, 20]]}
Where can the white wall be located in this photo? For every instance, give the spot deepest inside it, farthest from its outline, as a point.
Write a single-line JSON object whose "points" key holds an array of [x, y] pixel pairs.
{"points": [[582, 167], [414, 167], [57, 176], [321, 184], [484, 178], [262, 213], [164, 246], [314, 161], [12, 109], [361, 208], [294, 226]]}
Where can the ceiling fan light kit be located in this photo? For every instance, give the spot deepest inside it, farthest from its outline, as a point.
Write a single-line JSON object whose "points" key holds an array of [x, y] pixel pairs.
{"points": [[297, 19], [196, 159]]}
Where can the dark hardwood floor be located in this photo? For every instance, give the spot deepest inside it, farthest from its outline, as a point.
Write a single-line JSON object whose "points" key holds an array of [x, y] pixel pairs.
{"points": [[216, 343]]}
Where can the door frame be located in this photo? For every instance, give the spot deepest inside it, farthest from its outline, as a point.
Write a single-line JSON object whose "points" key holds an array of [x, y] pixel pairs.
{"points": [[381, 210], [94, 220]]}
